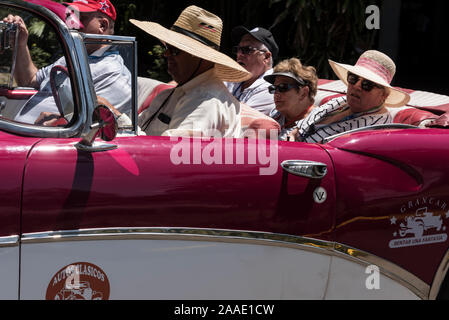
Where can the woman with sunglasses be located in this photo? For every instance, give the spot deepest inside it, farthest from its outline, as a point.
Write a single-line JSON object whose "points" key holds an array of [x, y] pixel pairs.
{"points": [[365, 104], [294, 87]]}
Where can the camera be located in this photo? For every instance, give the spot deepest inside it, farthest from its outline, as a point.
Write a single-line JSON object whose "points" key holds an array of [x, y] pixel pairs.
{"points": [[8, 33]]}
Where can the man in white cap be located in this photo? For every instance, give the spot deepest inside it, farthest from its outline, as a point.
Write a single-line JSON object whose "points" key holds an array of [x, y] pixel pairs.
{"points": [[368, 96], [200, 105], [111, 78], [256, 51]]}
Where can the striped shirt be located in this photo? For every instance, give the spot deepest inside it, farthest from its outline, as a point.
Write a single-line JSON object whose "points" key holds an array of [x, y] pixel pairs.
{"points": [[110, 77], [256, 95], [309, 129]]}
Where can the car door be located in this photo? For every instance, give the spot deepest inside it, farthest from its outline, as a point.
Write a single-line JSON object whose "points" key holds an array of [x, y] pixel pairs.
{"points": [[175, 218], [392, 211], [13, 153]]}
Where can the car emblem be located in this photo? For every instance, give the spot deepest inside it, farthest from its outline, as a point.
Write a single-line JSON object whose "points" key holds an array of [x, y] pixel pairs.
{"points": [[423, 226], [320, 195], [79, 281]]}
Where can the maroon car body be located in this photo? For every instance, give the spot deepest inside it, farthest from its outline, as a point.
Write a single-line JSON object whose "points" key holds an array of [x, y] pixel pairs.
{"points": [[112, 208]]}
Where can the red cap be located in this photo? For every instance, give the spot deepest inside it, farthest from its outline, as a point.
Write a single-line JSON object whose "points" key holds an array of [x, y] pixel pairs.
{"points": [[103, 6]]}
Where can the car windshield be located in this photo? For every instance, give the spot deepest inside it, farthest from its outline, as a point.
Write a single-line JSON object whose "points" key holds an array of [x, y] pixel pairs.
{"points": [[44, 49]]}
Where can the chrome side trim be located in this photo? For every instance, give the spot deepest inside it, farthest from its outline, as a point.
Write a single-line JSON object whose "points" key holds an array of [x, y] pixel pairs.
{"points": [[375, 127], [307, 169], [439, 276], [177, 234], [391, 270], [10, 241], [396, 273]]}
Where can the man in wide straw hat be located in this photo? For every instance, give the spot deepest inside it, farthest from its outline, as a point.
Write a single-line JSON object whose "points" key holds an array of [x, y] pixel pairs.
{"points": [[200, 105], [368, 96]]}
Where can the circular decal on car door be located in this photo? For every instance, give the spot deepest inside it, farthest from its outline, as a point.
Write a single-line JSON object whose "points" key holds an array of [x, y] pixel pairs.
{"points": [[79, 281]]}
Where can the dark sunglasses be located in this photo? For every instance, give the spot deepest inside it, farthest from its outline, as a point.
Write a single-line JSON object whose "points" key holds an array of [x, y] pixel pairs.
{"points": [[366, 84], [173, 51], [282, 87], [245, 50]]}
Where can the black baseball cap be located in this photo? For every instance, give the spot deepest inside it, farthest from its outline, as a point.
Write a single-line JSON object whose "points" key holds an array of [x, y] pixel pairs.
{"points": [[261, 34]]}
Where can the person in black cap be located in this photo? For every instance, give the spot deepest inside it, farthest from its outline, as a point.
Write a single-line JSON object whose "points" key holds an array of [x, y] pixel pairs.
{"points": [[256, 52]]}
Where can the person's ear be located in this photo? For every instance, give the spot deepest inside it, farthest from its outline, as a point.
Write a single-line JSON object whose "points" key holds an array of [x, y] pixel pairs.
{"points": [[304, 92], [104, 25], [267, 57], [385, 94]]}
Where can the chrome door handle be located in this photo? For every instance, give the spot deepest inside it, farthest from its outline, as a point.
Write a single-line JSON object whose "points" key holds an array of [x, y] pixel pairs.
{"points": [[307, 169]]}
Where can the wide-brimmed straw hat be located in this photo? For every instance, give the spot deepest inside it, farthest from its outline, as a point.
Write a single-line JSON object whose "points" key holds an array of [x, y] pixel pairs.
{"points": [[198, 32], [378, 68]]}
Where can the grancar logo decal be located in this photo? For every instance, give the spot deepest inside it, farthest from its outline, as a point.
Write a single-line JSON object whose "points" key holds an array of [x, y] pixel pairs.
{"points": [[79, 281], [422, 226]]}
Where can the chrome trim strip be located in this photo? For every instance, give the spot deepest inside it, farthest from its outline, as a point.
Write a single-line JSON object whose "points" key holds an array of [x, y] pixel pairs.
{"points": [[114, 38], [177, 234], [439, 277], [396, 273], [374, 127], [391, 270], [121, 40], [304, 168], [10, 241]]}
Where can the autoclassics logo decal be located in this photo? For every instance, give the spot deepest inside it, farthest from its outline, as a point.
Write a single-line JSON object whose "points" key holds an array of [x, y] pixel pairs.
{"points": [[422, 222], [79, 281]]}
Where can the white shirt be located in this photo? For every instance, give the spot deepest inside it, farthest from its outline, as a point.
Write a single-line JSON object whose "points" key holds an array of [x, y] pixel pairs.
{"points": [[202, 106], [111, 79], [256, 95]]}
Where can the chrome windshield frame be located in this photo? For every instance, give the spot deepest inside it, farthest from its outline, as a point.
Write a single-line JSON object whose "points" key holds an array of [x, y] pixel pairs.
{"points": [[121, 40]]}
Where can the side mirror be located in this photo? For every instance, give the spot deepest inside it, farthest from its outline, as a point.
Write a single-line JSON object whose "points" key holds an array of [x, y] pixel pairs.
{"points": [[104, 124]]}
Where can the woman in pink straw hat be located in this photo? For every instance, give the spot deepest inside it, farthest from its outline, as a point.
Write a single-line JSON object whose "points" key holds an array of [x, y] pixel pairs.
{"points": [[368, 96]]}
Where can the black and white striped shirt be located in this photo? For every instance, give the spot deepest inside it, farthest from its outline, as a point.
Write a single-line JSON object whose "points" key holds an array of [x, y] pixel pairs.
{"points": [[311, 131]]}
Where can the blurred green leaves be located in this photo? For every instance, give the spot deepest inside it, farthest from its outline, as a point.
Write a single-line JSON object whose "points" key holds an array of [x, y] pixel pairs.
{"points": [[318, 30], [159, 65], [313, 30]]}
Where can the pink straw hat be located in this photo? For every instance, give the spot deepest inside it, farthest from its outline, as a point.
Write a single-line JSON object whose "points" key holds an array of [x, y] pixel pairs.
{"points": [[378, 68]]}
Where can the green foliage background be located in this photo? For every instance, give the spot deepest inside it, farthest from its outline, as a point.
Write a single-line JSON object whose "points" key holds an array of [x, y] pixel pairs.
{"points": [[312, 30]]}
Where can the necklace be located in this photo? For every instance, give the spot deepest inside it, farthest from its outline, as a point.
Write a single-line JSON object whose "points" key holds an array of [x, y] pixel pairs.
{"points": [[299, 117]]}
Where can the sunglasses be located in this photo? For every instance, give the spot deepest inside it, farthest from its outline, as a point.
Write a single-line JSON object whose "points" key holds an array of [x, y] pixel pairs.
{"points": [[366, 84], [282, 87], [172, 51], [245, 50]]}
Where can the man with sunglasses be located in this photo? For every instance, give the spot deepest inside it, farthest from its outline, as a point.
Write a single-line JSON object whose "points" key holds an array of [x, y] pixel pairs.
{"points": [[200, 105], [256, 51], [111, 78], [365, 104]]}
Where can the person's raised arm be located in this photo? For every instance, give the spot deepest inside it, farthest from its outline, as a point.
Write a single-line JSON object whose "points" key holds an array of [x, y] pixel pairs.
{"points": [[25, 72]]}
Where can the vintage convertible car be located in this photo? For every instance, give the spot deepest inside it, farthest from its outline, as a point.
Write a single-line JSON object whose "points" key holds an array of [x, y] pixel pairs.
{"points": [[144, 217]]}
